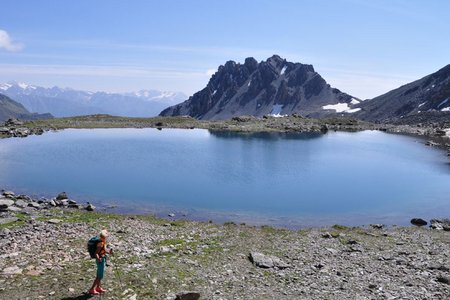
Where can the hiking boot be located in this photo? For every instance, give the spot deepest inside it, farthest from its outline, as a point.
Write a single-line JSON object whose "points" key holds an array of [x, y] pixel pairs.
{"points": [[93, 292], [100, 290]]}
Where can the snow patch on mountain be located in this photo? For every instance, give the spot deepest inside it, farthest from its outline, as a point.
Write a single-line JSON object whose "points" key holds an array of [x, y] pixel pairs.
{"points": [[354, 101], [341, 108], [276, 111]]}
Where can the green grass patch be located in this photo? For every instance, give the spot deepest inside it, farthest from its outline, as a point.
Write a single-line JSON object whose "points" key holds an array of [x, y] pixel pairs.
{"points": [[21, 220], [340, 227]]}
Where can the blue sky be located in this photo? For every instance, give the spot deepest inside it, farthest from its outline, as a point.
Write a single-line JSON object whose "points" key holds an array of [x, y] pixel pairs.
{"points": [[362, 47]]}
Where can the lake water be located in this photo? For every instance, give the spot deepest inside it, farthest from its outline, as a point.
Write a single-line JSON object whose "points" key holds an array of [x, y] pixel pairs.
{"points": [[292, 180]]}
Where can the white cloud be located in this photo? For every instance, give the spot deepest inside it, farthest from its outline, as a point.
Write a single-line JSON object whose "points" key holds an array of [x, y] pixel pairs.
{"points": [[7, 44]]}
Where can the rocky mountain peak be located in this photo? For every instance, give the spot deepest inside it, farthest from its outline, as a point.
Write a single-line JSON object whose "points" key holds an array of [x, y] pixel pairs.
{"points": [[274, 86]]}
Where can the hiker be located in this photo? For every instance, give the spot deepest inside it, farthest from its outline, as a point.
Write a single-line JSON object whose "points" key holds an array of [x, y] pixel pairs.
{"points": [[100, 258]]}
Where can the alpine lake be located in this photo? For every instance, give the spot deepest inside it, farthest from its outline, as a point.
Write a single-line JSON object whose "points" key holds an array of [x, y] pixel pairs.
{"points": [[290, 180]]}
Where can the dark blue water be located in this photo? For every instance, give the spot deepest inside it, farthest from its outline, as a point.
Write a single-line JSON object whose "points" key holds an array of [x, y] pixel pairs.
{"points": [[282, 179]]}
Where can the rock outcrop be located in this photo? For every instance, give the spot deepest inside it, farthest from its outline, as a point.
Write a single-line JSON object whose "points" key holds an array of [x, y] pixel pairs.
{"points": [[274, 86]]}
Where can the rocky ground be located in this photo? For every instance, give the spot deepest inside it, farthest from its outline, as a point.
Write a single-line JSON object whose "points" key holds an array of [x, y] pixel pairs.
{"points": [[43, 256]]}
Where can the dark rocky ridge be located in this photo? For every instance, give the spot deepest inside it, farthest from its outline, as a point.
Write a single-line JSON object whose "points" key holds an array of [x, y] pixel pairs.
{"points": [[428, 96], [269, 87]]}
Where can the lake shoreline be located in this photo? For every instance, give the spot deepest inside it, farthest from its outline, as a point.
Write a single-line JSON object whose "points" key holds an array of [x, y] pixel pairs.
{"points": [[437, 134], [158, 258]]}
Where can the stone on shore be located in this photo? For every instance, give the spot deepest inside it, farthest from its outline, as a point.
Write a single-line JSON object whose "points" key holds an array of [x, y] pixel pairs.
{"points": [[90, 207], [9, 194], [419, 222], [34, 205], [62, 196], [440, 224], [377, 226], [21, 203], [5, 203]]}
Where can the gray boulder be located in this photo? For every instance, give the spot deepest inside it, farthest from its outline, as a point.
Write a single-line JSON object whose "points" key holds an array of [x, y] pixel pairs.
{"points": [[14, 209], [22, 132], [90, 207], [8, 220], [54, 221], [34, 205], [377, 226], [13, 122], [21, 203], [419, 222], [5, 203], [4, 130], [62, 196], [443, 279], [441, 224], [9, 194], [267, 261]]}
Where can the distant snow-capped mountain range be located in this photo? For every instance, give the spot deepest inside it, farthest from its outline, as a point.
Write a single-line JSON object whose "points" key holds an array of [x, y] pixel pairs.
{"points": [[66, 102]]}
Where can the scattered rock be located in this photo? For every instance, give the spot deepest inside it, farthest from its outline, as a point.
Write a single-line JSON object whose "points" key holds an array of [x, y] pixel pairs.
{"points": [[54, 221], [13, 122], [432, 144], [419, 222], [171, 215], [5, 203], [14, 209], [267, 261], [327, 235], [9, 194], [62, 196], [8, 220], [443, 279], [21, 203], [90, 207], [34, 205], [440, 132], [21, 132], [188, 296], [14, 270], [441, 224], [165, 249], [377, 226]]}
